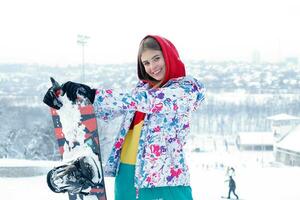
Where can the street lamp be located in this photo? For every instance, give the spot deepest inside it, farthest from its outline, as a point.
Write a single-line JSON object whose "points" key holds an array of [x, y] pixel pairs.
{"points": [[82, 40]]}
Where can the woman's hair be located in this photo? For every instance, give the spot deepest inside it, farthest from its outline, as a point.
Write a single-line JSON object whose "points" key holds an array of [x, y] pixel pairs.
{"points": [[149, 43]]}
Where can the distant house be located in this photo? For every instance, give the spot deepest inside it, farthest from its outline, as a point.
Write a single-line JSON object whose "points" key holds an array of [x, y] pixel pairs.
{"points": [[282, 124], [287, 150], [286, 130], [255, 141]]}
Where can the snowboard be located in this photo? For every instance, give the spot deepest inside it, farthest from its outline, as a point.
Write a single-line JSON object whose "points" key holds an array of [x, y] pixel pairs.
{"points": [[223, 197], [75, 128]]}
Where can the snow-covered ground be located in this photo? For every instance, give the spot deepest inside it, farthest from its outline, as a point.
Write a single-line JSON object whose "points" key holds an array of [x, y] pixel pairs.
{"points": [[256, 181]]}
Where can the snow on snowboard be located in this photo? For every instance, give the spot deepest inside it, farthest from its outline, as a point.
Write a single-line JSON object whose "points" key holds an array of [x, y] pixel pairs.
{"points": [[75, 127]]}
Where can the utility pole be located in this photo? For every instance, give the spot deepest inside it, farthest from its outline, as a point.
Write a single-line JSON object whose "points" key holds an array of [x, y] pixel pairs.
{"points": [[82, 41]]}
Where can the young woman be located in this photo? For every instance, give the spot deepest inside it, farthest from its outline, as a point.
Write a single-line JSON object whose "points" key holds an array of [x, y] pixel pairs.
{"points": [[148, 157]]}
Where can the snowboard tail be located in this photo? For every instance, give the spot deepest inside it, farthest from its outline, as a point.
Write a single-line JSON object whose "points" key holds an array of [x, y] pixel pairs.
{"points": [[231, 198], [70, 149]]}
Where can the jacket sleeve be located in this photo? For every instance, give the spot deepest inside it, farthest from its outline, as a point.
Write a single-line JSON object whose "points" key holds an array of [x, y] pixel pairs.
{"points": [[179, 95]]}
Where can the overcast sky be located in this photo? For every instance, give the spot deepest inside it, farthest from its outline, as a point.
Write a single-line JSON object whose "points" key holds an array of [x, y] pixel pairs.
{"points": [[45, 31]]}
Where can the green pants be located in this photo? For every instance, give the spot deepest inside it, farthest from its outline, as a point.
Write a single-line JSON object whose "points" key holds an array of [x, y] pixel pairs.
{"points": [[125, 190]]}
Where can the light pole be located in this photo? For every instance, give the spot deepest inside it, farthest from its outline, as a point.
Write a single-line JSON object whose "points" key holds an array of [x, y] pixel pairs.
{"points": [[82, 40]]}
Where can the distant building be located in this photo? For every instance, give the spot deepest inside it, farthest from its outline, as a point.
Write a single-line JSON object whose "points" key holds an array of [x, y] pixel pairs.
{"points": [[256, 57], [282, 124], [286, 130], [287, 150], [292, 61], [255, 141]]}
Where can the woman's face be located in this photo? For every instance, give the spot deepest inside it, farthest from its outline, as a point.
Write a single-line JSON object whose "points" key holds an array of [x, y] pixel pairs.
{"points": [[154, 64]]}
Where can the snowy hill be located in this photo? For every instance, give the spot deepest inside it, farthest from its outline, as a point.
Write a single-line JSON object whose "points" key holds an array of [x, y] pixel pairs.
{"points": [[24, 168], [240, 97]]}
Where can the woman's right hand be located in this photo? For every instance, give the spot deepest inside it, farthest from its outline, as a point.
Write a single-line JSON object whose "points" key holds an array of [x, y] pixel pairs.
{"points": [[51, 98], [72, 90]]}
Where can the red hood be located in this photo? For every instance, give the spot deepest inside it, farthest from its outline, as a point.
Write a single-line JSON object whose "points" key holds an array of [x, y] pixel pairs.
{"points": [[174, 66]]}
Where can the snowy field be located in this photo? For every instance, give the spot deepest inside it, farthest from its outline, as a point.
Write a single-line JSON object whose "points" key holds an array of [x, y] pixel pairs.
{"points": [[255, 181]]}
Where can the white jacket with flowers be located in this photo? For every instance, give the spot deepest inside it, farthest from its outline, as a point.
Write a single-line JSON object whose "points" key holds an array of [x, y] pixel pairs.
{"points": [[160, 158]]}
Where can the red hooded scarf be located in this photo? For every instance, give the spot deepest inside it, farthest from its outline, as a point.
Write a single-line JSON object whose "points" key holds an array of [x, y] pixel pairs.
{"points": [[174, 66]]}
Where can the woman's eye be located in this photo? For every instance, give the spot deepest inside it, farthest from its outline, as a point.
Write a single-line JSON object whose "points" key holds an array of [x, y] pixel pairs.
{"points": [[156, 59]]}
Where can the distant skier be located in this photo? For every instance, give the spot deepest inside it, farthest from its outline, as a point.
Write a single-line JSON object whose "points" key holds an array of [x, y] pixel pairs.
{"points": [[232, 187], [230, 171]]}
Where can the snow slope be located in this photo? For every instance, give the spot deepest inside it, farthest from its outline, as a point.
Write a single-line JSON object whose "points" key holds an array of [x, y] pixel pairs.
{"points": [[254, 182]]}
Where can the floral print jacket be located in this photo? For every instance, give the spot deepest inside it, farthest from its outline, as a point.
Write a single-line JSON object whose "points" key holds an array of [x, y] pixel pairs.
{"points": [[160, 157]]}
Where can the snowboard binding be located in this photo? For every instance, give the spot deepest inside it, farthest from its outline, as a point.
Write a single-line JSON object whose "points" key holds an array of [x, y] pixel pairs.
{"points": [[75, 177]]}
